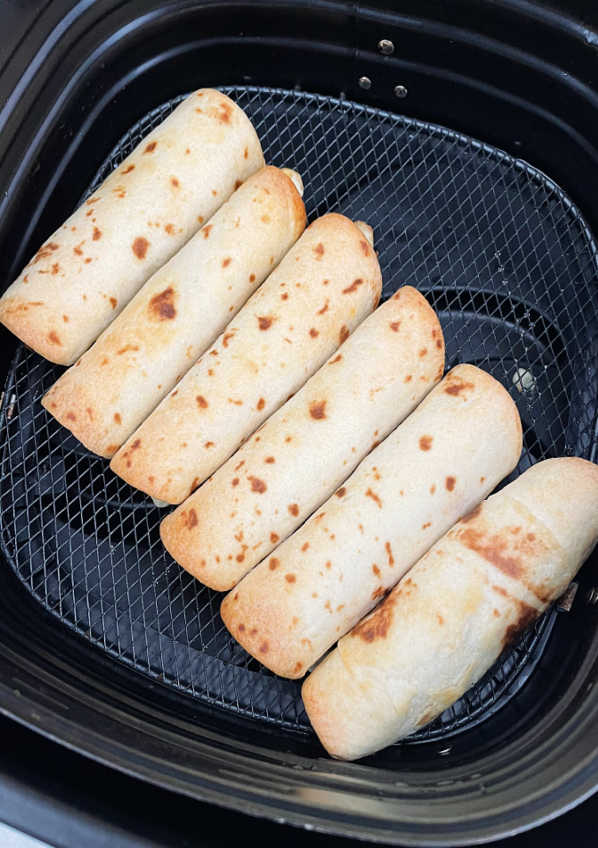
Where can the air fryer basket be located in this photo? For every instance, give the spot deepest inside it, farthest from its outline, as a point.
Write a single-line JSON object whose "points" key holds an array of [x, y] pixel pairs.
{"points": [[111, 647]]}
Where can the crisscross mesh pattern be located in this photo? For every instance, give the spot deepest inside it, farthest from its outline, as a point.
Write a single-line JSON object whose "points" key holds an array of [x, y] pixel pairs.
{"points": [[511, 269]]}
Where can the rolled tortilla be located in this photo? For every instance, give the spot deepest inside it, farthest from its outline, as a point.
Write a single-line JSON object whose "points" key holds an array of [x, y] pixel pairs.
{"points": [[150, 205], [178, 313], [323, 288], [311, 444], [463, 438], [447, 622]]}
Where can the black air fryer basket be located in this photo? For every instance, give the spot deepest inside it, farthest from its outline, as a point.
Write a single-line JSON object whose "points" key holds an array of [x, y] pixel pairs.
{"points": [[105, 643]]}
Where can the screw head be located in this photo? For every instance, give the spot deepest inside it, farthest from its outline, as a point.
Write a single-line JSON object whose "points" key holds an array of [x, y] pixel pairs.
{"points": [[400, 91], [386, 47], [365, 82]]}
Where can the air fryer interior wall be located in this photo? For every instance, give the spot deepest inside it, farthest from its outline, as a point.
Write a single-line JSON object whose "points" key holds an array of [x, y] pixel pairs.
{"points": [[83, 81]]}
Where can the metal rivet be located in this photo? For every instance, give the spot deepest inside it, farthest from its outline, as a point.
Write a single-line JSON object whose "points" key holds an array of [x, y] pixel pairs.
{"points": [[592, 596], [400, 91], [365, 82], [386, 47]]}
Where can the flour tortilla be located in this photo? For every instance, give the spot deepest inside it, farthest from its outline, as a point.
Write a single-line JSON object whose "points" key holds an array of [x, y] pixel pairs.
{"points": [[449, 619], [463, 438], [150, 205]]}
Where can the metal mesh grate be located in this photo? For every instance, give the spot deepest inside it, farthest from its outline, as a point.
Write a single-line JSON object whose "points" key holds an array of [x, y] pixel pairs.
{"points": [[510, 267]]}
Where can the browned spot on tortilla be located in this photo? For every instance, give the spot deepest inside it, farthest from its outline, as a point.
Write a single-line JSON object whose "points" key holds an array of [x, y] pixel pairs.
{"points": [[450, 483], [252, 278], [432, 488], [208, 444], [293, 509], [317, 409], [313, 333], [257, 485], [225, 112], [87, 261], [226, 337], [438, 343], [455, 385], [55, 268], [174, 182], [274, 537], [97, 234], [391, 559], [128, 169], [340, 493], [112, 448], [151, 147], [89, 411], [269, 459], [344, 333], [264, 322], [378, 593], [471, 515], [319, 250], [241, 628], [526, 615], [54, 338], [169, 228], [371, 494], [235, 402], [354, 286], [162, 305], [140, 246], [324, 308], [426, 525], [44, 251], [394, 326], [290, 578], [495, 613], [273, 563], [260, 404], [65, 318], [113, 302], [117, 418], [425, 719], [191, 518], [423, 351], [201, 402], [126, 349], [240, 557], [365, 247], [206, 230], [136, 444], [245, 153], [376, 570], [492, 549], [425, 443], [77, 249], [71, 416], [104, 361], [226, 261], [264, 648], [324, 282], [378, 624], [235, 481]]}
